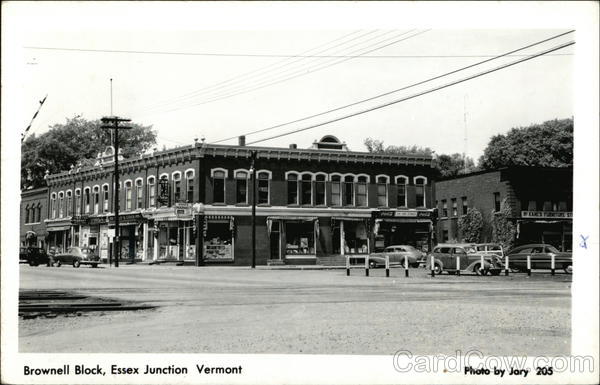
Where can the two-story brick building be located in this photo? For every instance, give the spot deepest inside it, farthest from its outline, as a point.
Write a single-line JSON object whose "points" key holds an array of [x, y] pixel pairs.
{"points": [[540, 201], [193, 204], [34, 212]]}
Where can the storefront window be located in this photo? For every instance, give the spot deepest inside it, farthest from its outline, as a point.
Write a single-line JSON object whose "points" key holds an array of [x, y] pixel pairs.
{"points": [[263, 188], [420, 183], [105, 199], [348, 190], [218, 242], [382, 185], [151, 192], [320, 190], [336, 191], [189, 193], [128, 195], [401, 182], [219, 186], [361, 191], [306, 189], [69, 203], [241, 187], [355, 237], [300, 238], [292, 189]]}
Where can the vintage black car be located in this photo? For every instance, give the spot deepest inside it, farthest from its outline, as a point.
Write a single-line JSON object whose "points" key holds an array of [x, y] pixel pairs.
{"points": [[77, 256], [540, 256], [34, 256]]}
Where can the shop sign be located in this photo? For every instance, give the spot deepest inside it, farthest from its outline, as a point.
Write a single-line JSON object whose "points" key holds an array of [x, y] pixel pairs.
{"points": [[547, 214], [98, 221], [127, 218], [401, 214], [80, 219]]}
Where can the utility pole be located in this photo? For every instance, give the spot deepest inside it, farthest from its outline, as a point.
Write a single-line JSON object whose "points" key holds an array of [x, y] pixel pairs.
{"points": [[112, 123], [253, 176]]}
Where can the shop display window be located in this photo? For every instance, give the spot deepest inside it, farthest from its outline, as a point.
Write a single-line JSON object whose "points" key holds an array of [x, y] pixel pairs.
{"points": [[355, 238], [218, 242], [300, 238]]}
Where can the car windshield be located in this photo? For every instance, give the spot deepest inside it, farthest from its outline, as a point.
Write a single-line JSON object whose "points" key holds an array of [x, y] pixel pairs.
{"points": [[552, 249]]}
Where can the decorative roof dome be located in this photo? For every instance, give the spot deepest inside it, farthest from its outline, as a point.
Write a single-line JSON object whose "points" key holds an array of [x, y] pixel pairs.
{"points": [[330, 142]]}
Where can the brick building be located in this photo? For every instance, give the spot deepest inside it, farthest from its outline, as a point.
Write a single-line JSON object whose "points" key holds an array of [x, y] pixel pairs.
{"points": [[32, 221], [193, 204], [540, 201]]}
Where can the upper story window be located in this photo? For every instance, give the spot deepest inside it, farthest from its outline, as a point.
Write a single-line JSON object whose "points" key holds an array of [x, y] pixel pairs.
{"points": [[241, 186], [189, 185], [382, 190], [105, 199], [53, 205], [61, 198], [86, 200], [348, 190], [263, 180], [69, 203], [454, 208], [176, 186], [96, 199], [218, 175], [496, 201], [164, 196], [292, 189], [128, 193], [26, 215], [465, 206], [420, 183], [336, 190], [151, 186], [320, 189], [39, 213], [361, 190], [139, 194], [306, 189], [401, 182], [444, 208], [77, 202]]}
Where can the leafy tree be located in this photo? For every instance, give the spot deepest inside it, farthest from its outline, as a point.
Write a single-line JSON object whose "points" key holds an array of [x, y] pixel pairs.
{"points": [[503, 230], [470, 225], [75, 141], [549, 144], [377, 146], [455, 164]]}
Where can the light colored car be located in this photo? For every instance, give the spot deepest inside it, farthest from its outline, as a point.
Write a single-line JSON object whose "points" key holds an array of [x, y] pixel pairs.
{"points": [[540, 257], [445, 256], [490, 249], [77, 256], [396, 254]]}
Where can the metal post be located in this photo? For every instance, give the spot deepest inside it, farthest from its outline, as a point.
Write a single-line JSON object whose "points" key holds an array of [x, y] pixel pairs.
{"points": [[432, 266], [529, 265], [506, 268], [367, 265], [552, 264], [253, 176], [482, 266], [457, 265], [406, 266], [348, 266], [387, 265]]}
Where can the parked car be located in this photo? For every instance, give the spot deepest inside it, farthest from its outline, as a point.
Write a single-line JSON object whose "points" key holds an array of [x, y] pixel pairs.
{"points": [[541, 257], [77, 256], [34, 256], [396, 253], [469, 260]]}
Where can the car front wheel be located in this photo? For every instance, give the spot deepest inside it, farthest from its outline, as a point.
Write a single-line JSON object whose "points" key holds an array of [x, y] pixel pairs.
{"points": [[57, 263], [76, 263], [437, 269], [479, 271], [372, 265], [568, 268]]}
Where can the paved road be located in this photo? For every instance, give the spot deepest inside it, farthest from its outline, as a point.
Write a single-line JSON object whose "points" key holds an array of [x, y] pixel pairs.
{"points": [[238, 310]]}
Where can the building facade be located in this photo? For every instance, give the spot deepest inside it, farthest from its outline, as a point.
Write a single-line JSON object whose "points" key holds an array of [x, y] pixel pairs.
{"points": [[34, 212], [540, 200], [193, 204]]}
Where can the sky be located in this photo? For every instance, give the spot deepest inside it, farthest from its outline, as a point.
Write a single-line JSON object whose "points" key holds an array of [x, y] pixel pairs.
{"points": [[243, 78]]}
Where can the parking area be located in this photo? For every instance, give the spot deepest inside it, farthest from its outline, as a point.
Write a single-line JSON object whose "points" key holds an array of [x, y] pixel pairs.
{"points": [[320, 311]]}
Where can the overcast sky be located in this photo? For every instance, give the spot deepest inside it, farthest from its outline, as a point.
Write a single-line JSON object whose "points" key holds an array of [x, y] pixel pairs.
{"points": [[250, 77]]}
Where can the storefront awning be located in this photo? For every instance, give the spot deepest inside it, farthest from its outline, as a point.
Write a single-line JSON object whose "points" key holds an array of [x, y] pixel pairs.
{"points": [[59, 228], [292, 218], [355, 219]]}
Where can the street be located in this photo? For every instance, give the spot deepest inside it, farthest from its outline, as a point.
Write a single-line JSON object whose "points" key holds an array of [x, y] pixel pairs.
{"points": [[239, 310]]}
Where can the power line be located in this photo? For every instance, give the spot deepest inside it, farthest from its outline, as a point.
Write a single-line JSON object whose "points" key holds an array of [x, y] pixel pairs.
{"points": [[257, 55], [506, 54], [292, 76], [419, 94]]}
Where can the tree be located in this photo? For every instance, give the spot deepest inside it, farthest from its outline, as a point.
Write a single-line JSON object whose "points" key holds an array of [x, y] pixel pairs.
{"points": [[549, 144], [455, 164], [377, 146], [470, 225], [503, 230], [75, 141]]}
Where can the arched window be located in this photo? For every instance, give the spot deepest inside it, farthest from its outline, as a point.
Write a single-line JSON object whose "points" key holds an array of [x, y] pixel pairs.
{"points": [[336, 190], [69, 203], [420, 183], [306, 189], [128, 194], [241, 186], [382, 190], [176, 186], [189, 185], [61, 197], [86, 199], [292, 188], [163, 190], [151, 191], [38, 217], [401, 182], [53, 205], [105, 199], [139, 193], [96, 199], [320, 189], [26, 214], [349, 190], [263, 179], [361, 190], [77, 202], [218, 175]]}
